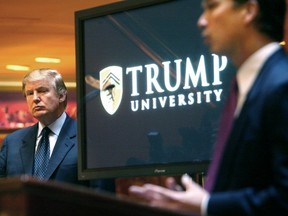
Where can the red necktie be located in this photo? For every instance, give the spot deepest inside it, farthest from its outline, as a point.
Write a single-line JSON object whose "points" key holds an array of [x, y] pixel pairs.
{"points": [[225, 127]]}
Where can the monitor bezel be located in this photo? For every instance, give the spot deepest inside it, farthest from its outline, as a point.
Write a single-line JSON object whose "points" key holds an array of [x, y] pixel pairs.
{"points": [[192, 167]]}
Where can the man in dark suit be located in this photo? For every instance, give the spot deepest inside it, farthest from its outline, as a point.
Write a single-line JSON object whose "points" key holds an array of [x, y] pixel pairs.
{"points": [[46, 96], [252, 175]]}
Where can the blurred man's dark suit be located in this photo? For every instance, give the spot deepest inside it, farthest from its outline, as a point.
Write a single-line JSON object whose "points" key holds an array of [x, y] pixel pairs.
{"points": [[254, 166]]}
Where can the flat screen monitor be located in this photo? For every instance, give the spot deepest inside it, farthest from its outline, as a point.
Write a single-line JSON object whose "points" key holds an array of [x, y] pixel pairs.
{"points": [[149, 91]]}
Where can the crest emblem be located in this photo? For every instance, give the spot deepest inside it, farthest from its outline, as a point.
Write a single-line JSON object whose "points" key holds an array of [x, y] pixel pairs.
{"points": [[111, 88]]}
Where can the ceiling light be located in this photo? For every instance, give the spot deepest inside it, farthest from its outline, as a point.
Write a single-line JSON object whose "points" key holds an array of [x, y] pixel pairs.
{"points": [[282, 43], [47, 60], [17, 67]]}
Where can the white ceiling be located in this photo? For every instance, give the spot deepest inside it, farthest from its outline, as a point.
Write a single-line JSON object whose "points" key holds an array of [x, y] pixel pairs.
{"points": [[33, 28]]}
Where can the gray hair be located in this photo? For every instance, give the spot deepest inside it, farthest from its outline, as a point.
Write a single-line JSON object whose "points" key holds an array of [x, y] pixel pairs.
{"points": [[53, 75]]}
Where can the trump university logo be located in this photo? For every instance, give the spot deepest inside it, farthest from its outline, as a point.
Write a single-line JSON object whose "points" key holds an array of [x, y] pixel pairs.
{"points": [[162, 87], [111, 86]]}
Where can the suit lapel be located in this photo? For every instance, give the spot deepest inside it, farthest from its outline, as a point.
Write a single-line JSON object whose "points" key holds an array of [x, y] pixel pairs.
{"points": [[65, 142], [28, 148], [240, 126]]}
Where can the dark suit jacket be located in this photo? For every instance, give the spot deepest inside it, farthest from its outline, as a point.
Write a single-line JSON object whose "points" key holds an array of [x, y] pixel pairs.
{"points": [[253, 174], [17, 154]]}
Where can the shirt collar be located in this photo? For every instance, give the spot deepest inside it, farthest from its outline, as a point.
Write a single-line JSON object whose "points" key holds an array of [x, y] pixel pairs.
{"points": [[55, 127], [249, 70]]}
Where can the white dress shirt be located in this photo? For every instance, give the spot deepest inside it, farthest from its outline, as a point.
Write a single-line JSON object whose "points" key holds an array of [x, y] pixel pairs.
{"points": [[55, 128]]}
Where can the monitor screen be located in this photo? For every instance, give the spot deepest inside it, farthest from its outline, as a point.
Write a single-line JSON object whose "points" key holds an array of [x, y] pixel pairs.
{"points": [[149, 91]]}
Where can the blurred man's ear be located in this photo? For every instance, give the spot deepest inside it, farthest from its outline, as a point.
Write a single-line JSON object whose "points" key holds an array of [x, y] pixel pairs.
{"points": [[251, 11]]}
